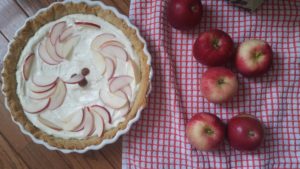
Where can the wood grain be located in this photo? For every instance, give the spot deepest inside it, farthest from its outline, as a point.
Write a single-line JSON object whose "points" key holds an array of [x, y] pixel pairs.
{"points": [[9, 158], [18, 150]]}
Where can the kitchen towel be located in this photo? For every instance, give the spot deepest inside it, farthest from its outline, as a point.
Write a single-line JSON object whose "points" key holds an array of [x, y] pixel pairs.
{"points": [[158, 140]]}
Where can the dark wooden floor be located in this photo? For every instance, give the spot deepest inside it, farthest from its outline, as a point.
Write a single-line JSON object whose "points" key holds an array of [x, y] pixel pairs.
{"points": [[16, 149]]}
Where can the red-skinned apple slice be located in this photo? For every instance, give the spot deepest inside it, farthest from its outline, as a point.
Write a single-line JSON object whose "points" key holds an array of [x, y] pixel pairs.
{"points": [[100, 39], [114, 51], [100, 124], [58, 96], [89, 126], [56, 31], [42, 95], [124, 110], [43, 53], [75, 79], [35, 107], [44, 81], [136, 71], [119, 82], [100, 62], [66, 34], [49, 123], [64, 49], [38, 89], [74, 120], [27, 66], [112, 43], [80, 126], [110, 68], [102, 111], [52, 51], [120, 93], [112, 100], [128, 91], [90, 24]]}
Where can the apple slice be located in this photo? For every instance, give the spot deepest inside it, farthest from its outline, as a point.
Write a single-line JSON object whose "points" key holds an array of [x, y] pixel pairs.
{"points": [[75, 79], [74, 120], [40, 89], [124, 110], [44, 81], [119, 82], [112, 43], [80, 126], [136, 71], [56, 31], [66, 34], [49, 123], [100, 125], [120, 93], [90, 24], [58, 96], [110, 68], [128, 91], [43, 53], [112, 100], [100, 62], [100, 39], [102, 111], [52, 51], [64, 49], [35, 107], [89, 126], [42, 95], [27, 66], [115, 51]]}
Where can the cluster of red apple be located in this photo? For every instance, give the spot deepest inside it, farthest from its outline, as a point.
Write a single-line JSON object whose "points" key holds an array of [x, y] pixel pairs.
{"points": [[252, 58]]}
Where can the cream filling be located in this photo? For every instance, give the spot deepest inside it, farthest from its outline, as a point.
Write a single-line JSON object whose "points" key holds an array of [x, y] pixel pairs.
{"points": [[77, 97]]}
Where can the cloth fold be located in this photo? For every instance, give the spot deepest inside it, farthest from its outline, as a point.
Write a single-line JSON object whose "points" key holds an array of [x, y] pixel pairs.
{"points": [[158, 139]]}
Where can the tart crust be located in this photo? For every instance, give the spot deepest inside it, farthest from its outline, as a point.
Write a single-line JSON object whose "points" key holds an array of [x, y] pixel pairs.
{"points": [[55, 12]]}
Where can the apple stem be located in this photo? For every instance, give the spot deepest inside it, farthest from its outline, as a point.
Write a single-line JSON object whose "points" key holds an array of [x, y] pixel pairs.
{"points": [[257, 55], [194, 8], [215, 43], [221, 81], [208, 131], [251, 133]]}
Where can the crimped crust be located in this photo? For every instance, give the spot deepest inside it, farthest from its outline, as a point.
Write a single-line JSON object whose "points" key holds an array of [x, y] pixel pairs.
{"points": [[55, 12]]}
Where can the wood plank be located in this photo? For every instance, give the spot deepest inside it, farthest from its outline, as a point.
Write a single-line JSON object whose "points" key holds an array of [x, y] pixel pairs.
{"points": [[3, 49], [9, 158], [113, 153], [37, 157], [91, 159], [10, 130], [31, 6], [11, 18]]}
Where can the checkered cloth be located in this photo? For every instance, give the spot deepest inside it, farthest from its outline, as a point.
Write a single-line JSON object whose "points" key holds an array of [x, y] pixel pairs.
{"points": [[158, 139]]}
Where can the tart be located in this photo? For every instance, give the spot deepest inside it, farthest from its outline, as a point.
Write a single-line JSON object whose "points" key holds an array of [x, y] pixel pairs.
{"points": [[75, 75]]}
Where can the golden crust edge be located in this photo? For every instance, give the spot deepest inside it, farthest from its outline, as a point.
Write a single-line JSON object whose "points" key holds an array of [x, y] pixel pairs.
{"points": [[10, 65]]}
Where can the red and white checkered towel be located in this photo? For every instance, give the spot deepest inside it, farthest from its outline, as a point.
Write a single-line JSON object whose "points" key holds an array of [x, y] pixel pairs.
{"points": [[158, 139]]}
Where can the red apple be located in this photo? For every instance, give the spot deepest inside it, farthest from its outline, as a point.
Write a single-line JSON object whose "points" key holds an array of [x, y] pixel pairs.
{"points": [[253, 58], [205, 131], [218, 84], [245, 132], [213, 48], [184, 14]]}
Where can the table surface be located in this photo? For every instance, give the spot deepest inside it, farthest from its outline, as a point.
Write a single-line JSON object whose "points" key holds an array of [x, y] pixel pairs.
{"points": [[16, 149]]}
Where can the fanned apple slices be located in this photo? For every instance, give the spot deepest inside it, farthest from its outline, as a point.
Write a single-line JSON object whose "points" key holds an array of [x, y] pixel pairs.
{"points": [[95, 118], [59, 43], [44, 96], [27, 66]]}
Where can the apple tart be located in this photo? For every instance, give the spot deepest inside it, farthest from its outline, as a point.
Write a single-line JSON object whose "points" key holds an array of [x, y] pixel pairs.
{"points": [[75, 75]]}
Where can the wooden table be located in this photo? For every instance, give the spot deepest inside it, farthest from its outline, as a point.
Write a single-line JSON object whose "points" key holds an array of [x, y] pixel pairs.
{"points": [[16, 149]]}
